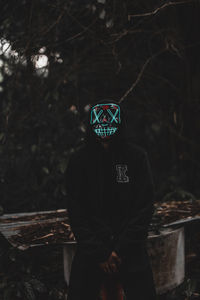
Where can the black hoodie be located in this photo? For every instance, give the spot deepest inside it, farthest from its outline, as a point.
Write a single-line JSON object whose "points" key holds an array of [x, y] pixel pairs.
{"points": [[110, 199]]}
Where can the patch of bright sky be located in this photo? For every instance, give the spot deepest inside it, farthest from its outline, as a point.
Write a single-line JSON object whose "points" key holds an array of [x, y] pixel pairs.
{"points": [[6, 51], [42, 50], [39, 61], [5, 48]]}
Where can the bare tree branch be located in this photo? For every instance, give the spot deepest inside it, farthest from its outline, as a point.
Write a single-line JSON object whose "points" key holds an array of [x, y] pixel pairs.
{"points": [[118, 36], [49, 28], [158, 9], [140, 74]]}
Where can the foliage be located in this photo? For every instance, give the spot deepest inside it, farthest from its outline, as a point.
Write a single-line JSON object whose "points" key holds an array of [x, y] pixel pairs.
{"points": [[144, 54], [25, 275]]}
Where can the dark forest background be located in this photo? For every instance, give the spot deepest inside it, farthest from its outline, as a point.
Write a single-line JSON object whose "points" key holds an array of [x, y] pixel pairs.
{"points": [[144, 54], [57, 58]]}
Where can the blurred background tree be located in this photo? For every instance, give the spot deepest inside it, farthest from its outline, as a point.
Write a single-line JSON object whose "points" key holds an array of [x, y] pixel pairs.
{"points": [[56, 57]]}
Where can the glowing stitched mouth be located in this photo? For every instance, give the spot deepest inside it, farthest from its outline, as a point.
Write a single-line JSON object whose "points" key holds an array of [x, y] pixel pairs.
{"points": [[105, 131]]}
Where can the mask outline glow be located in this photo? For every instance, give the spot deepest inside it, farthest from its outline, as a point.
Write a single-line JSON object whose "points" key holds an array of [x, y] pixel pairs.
{"points": [[101, 128]]}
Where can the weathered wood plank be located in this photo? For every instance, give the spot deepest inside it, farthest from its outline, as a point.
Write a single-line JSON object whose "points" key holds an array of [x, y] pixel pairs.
{"points": [[24, 230]]}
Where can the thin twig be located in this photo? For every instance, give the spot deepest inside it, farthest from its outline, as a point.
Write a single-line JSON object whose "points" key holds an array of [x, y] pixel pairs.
{"points": [[158, 9], [53, 24], [140, 75], [66, 225], [43, 237]]}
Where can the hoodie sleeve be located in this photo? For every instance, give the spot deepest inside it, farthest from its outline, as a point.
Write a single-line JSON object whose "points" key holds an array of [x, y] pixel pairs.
{"points": [[136, 229], [88, 241]]}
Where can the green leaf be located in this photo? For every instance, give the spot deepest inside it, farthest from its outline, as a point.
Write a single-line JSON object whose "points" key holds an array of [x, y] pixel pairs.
{"points": [[63, 165], [45, 170]]}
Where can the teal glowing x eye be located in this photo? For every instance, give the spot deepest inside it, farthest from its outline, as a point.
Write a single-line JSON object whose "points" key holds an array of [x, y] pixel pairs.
{"points": [[101, 112], [97, 116], [105, 119]]}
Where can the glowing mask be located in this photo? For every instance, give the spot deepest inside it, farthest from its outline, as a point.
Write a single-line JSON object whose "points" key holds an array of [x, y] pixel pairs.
{"points": [[105, 119]]}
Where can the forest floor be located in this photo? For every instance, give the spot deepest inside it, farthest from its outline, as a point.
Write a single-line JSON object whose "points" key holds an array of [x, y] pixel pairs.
{"points": [[38, 273]]}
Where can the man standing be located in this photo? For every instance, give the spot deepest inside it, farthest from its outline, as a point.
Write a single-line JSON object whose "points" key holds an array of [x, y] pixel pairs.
{"points": [[110, 207]]}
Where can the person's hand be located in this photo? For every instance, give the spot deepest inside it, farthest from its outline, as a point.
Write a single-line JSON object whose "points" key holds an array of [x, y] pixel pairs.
{"points": [[106, 267], [115, 258], [112, 264]]}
